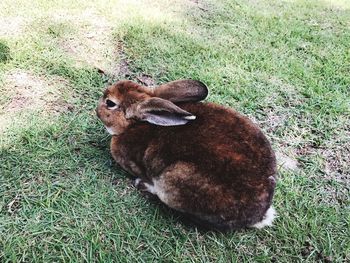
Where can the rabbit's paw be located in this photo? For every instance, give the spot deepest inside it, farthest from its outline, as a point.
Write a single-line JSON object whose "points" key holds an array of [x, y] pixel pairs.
{"points": [[143, 186]]}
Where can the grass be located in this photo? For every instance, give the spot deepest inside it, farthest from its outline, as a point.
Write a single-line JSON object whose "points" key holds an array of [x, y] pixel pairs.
{"points": [[283, 63]]}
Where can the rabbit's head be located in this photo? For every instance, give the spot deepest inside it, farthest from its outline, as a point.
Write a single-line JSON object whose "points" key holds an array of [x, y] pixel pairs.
{"points": [[127, 102]]}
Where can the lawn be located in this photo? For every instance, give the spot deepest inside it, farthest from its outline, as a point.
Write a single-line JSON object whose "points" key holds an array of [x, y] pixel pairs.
{"points": [[283, 63]]}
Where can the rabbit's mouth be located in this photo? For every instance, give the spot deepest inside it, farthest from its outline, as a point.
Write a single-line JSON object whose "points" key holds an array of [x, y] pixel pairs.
{"points": [[110, 130]]}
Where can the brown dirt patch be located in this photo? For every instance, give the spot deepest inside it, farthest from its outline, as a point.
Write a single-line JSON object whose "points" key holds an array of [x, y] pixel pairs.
{"points": [[337, 161], [123, 70], [92, 40], [287, 161], [334, 157], [28, 93], [146, 80]]}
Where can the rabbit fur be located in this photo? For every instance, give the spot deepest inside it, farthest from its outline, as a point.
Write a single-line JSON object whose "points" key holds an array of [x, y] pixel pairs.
{"points": [[207, 161]]}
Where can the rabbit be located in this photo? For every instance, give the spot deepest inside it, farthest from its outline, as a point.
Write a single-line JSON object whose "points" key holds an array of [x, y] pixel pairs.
{"points": [[204, 160]]}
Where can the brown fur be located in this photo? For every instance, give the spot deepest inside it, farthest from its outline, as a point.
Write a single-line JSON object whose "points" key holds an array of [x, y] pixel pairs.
{"points": [[218, 168]]}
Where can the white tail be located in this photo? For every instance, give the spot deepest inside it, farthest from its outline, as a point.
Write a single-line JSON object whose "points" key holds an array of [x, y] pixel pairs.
{"points": [[267, 220]]}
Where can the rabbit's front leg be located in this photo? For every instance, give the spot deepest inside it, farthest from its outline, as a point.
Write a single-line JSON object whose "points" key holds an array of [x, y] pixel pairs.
{"points": [[122, 156]]}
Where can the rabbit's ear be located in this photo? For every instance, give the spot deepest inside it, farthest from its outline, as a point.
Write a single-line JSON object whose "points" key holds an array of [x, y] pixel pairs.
{"points": [[160, 112], [182, 91]]}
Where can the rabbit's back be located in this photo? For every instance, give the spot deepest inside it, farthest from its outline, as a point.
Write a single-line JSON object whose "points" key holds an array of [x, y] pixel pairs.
{"points": [[223, 143]]}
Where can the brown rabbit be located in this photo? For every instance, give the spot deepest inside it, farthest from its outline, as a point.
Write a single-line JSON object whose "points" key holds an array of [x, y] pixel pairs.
{"points": [[204, 160]]}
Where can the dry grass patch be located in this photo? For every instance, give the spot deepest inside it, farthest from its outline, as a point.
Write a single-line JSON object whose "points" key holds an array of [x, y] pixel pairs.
{"points": [[336, 159], [91, 42], [287, 162], [12, 26], [28, 93]]}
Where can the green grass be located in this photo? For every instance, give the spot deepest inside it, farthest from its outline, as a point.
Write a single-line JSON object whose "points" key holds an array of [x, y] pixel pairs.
{"points": [[285, 64]]}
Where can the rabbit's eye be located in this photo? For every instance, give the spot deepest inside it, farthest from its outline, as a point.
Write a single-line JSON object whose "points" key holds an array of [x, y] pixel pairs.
{"points": [[110, 104]]}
